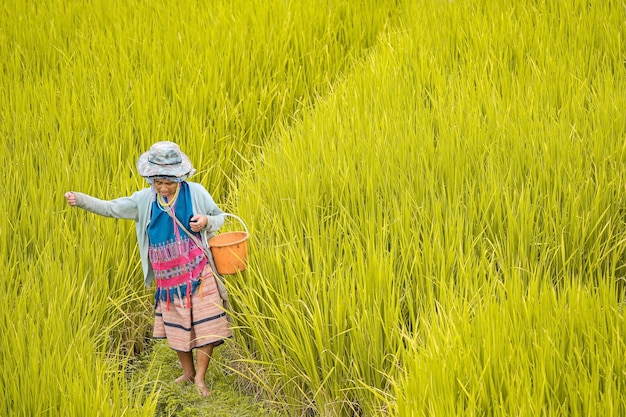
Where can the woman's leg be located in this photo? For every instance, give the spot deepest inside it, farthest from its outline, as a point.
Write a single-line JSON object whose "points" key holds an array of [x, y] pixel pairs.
{"points": [[189, 372], [203, 358]]}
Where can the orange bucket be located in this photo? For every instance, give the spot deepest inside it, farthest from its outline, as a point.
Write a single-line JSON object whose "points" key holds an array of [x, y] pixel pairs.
{"points": [[230, 250]]}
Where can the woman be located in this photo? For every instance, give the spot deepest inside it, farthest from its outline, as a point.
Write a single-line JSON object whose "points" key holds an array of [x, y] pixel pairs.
{"points": [[189, 311]]}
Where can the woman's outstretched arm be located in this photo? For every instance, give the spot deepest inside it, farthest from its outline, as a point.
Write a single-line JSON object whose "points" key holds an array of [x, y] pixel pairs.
{"points": [[120, 208]]}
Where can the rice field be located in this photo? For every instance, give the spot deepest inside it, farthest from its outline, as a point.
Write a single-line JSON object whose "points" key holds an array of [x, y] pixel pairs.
{"points": [[434, 191]]}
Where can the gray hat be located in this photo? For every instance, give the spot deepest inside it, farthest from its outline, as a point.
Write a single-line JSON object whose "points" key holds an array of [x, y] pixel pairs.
{"points": [[165, 159]]}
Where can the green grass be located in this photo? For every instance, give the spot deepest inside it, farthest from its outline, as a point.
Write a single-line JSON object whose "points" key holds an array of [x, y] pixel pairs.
{"points": [[230, 395]]}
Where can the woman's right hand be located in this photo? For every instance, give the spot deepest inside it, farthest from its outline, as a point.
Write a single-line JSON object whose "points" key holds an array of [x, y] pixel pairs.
{"points": [[70, 197]]}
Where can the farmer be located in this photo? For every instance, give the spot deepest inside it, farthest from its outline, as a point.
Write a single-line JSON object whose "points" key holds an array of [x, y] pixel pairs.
{"points": [[174, 218]]}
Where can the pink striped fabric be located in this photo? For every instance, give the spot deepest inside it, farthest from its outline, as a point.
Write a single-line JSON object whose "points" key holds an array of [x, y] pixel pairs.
{"points": [[202, 324]]}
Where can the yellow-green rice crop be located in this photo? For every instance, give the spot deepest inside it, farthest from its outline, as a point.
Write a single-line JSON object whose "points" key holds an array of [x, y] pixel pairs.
{"points": [[445, 235], [84, 88], [437, 230]]}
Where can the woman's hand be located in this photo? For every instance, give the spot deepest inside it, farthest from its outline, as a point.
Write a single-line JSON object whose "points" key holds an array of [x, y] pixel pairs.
{"points": [[70, 197], [198, 222]]}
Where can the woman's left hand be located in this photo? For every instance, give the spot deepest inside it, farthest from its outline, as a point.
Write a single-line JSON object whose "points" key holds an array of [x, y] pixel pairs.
{"points": [[198, 222]]}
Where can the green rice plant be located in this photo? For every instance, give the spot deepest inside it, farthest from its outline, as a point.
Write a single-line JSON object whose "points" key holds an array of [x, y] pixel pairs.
{"points": [[54, 334], [529, 351], [442, 235]]}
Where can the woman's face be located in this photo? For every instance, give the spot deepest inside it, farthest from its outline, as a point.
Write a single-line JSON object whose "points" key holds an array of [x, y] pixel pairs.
{"points": [[165, 188]]}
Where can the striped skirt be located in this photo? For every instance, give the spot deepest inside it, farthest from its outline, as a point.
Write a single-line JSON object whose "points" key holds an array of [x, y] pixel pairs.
{"points": [[202, 324]]}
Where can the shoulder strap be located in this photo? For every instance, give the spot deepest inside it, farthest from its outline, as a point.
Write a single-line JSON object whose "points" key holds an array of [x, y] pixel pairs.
{"points": [[191, 235], [221, 288]]}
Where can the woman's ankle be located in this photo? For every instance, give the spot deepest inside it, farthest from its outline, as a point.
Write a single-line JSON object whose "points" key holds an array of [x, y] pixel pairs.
{"points": [[186, 378]]}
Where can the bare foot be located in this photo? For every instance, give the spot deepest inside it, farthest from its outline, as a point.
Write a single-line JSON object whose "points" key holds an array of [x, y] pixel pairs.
{"points": [[203, 390], [184, 379]]}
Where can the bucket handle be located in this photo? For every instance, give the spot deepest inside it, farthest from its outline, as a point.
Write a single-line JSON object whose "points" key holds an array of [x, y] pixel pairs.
{"points": [[238, 218]]}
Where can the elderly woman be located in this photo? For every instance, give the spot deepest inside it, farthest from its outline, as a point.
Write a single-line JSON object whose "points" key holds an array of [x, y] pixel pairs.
{"points": [[173, 218]]}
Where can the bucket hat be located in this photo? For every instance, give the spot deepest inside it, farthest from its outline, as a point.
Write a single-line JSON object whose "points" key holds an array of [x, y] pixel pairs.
{"points": [[165, 159]]}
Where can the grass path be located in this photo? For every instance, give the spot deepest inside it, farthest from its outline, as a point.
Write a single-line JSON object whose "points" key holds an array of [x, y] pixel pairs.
{"points": [[228, 395]]}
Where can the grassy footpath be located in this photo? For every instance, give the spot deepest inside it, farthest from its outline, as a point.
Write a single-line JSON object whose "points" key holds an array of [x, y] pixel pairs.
{"points": [[229, 396]]}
